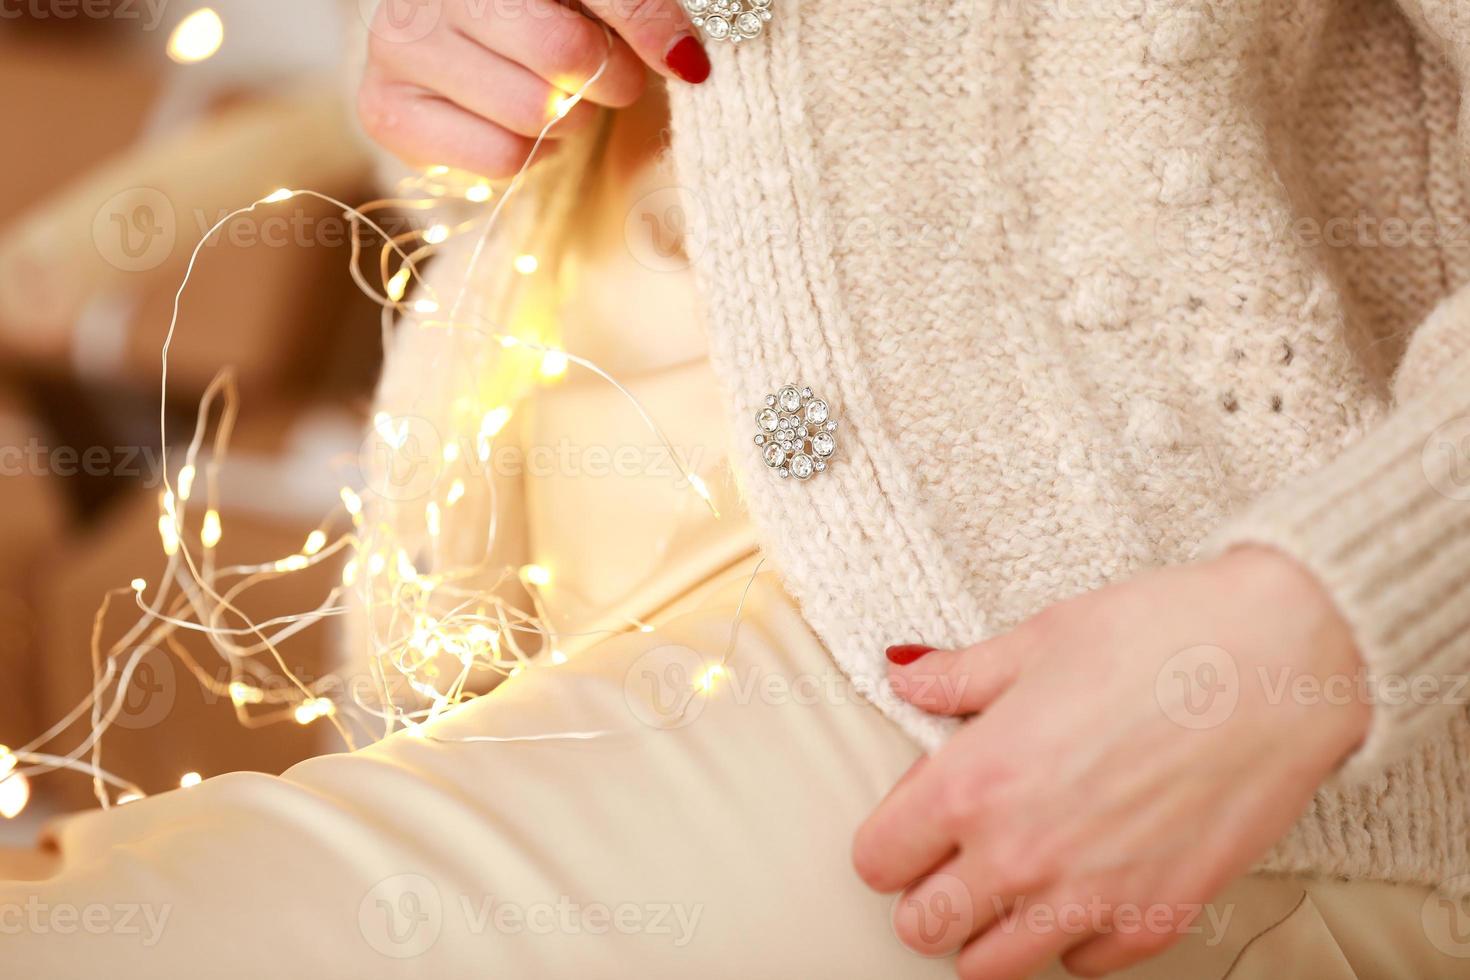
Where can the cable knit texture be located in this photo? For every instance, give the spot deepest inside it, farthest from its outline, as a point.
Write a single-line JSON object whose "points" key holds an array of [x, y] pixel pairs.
{"points": [[1102, 286]]}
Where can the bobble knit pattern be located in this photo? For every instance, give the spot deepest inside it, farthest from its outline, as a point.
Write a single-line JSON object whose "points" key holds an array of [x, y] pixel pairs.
{"points": [[1096, 287]]}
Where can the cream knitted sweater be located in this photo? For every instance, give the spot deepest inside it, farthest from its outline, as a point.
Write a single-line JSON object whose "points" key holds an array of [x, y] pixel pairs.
{"points": [[1097, 285]]}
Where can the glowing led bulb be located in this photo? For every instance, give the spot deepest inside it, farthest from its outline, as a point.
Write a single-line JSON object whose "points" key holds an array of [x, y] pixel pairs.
{"points": [[284, 194], [437, 170], [537, 575], [494, 421], [15, 793], [168, 531], [351, 501], [189, 780], [309, 711], [186, 481], [558, 658], [436, 235], [431, 519], [707, 680], [553, 364], [139, 585], [456, 492], [197, 37], [482, 635], [562, 104], [242, 694], [398, 285], [425, 307], [126, 798], [210, 533], [526, 264], [315, 541], [478, 193]]}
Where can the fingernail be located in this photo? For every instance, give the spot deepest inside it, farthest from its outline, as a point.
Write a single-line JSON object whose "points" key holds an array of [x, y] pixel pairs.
{"points": [[686, 58], [906, 653]]}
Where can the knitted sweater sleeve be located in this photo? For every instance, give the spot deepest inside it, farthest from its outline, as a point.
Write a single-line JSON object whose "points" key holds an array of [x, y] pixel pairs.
{"points": [[1386, 529]]}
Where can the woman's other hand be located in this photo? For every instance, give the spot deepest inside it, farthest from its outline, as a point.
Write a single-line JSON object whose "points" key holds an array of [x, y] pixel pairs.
{"points": [[1134, 750], [470, 83]]}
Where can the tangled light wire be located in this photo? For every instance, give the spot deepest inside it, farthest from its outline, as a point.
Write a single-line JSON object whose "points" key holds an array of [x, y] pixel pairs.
{"points": [[454, 615]]}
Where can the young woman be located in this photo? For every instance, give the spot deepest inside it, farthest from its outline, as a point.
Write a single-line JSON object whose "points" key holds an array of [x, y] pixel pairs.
{"points": [[1146, 332]]}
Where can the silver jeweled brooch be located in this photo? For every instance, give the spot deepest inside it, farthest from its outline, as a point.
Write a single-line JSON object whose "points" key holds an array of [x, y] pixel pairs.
{"points": [[796, 432], [729, 20]]}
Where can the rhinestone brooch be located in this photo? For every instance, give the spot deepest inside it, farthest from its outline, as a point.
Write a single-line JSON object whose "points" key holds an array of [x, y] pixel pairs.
{"points": [[796, 433], [729, 20]]}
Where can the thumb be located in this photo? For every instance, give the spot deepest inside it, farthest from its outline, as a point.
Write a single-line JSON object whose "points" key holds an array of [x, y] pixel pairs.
{"points": [[660, 33], [955, 682]]}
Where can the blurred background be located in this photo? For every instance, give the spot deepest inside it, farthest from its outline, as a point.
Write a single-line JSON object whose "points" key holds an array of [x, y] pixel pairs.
{"points": [[132, 127]]}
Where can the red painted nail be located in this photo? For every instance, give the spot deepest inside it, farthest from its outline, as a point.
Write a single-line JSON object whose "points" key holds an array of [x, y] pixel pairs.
{"points": [[906, 653], [686, 58]]}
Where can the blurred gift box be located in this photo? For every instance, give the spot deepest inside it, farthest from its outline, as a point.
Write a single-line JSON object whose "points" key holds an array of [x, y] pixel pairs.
{"points": [[31, 525], [98, 100]]}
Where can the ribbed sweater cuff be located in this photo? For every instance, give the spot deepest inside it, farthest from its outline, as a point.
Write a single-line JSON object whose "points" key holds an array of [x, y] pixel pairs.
{"points": [[1386, 529]]}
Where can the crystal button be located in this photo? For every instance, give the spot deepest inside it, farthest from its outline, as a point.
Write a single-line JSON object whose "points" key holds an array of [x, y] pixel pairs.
{"points": [[796, 432], [729, 20]]}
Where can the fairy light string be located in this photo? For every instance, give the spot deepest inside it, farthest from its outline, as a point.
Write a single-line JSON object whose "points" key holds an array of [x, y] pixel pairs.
{"points": [[418, 619]]}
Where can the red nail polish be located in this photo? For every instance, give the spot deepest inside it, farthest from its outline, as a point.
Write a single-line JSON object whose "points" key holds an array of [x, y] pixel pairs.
{"points": [[906, 653], [686, 58]]}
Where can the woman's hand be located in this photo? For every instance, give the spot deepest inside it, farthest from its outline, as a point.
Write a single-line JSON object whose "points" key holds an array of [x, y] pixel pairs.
{"points": [[1136, 749], [470, 83]]}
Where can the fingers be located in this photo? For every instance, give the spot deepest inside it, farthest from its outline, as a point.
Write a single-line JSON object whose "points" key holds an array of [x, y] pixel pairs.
{"points": [[489, 86], [961, 682], [901, 840], [424, 130], [940, 912], [1001, 932], [469, 90], [563, 47], [1014, 949], [659, 33]]}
